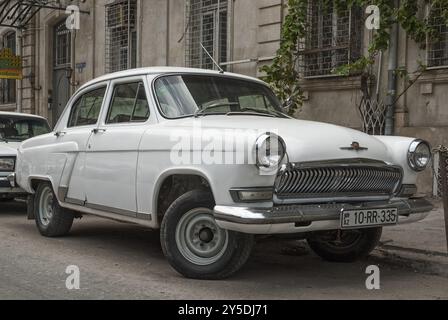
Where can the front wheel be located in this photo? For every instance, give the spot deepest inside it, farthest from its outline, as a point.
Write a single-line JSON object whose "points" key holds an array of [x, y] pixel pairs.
{"points": [[345, 246], [195, 245], [51, 219]]}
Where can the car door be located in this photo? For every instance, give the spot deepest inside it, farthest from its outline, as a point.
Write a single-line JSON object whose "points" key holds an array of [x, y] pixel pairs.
{"points": [[112, 152], [71, 136]]}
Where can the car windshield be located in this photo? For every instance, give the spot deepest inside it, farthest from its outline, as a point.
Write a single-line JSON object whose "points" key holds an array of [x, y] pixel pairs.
{"points": [[18, 129], [198, 95]]}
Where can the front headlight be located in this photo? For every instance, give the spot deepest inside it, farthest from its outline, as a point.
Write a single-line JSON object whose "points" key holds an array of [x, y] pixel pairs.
{"points": [[419, 155], [7, 164], [271, 150]]}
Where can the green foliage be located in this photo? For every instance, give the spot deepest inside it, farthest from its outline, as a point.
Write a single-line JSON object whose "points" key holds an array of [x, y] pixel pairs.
{"points": [[283, 74]]}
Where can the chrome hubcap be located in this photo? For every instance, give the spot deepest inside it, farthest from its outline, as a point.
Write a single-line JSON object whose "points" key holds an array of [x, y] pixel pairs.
{"points": [[46, 206], [199, 239]]}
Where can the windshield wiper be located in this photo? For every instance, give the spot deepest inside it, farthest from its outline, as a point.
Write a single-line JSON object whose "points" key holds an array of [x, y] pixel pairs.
{"points": [[200, 112], [239, 113], [259, 112]]}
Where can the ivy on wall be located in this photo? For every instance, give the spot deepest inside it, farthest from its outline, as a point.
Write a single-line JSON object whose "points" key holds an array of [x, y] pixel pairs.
{"points": [[283, 75]]}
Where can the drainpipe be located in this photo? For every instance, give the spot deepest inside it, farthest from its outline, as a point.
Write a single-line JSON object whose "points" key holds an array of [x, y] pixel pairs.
{"points": [[392, 78], [167, 48], [20, 82]]}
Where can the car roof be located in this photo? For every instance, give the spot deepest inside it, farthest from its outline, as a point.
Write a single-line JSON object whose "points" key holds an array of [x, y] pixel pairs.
{"points": [[163, 71], [21, 115]]}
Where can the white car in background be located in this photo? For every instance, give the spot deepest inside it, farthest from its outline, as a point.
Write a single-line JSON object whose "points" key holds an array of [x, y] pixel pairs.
{"points": [[136, 146], [14, 129]]}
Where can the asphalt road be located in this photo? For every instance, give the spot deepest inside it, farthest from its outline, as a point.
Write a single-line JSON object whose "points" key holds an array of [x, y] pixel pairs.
{"points": [[122, 261]]}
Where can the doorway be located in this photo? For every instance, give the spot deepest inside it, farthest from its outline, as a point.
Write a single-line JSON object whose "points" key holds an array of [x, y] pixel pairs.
{"points": [[61, 70]]}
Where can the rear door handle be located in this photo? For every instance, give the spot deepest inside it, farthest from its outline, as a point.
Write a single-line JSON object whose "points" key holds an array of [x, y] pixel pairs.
{"points": [[98, 130]]}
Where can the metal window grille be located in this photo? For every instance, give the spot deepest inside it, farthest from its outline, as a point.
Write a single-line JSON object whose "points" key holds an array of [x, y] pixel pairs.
{"points": [[63, 45], [207, 24], [8, 87], [334, 38], [438, 49], [121, 35]]}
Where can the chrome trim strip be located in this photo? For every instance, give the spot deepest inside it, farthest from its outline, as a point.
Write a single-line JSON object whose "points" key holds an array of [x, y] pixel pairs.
{"points": [[331, 198], [112, 210], [144, 216], [75, 202], [96, 207], [312, 213], [108, 215]]}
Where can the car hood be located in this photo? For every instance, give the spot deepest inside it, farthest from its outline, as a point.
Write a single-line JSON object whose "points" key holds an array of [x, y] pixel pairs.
{"points": [[8, 149], [305, 140]]}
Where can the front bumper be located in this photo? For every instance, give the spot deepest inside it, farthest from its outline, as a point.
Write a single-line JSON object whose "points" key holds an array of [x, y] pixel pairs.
{"points": [[8, 187], [307, 218]]}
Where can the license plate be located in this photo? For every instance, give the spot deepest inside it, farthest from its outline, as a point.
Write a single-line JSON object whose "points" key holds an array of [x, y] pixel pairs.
{"points": [[351, 219]]}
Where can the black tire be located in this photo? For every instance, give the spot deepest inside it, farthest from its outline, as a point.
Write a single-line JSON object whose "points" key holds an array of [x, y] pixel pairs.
{"points": [[60, 221], [360, 246], [232, 256]]}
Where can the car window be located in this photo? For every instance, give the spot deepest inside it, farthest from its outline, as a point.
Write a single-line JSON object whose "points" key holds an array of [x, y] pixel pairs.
{"points": [[129, 104], [16, 128], [86, 109], [188, 95]]}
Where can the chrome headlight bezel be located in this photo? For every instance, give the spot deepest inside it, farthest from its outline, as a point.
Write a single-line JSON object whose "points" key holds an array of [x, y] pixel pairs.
{"points": [[262, 161], [7, 164], [413, 153]]}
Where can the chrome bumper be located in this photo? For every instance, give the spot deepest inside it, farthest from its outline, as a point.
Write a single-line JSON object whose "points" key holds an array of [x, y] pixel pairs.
{"points": [[305, 218], [8, 187]]}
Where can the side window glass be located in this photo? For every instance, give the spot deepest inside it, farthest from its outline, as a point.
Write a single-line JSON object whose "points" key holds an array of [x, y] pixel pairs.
{"points": [[129, 104], [86, 109]]}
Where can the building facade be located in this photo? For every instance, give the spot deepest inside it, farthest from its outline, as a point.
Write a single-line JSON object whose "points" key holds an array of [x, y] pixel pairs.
{"points": [[242, 36]]}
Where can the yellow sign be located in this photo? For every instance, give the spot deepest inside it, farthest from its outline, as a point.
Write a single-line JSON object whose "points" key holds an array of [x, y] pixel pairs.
{"points": [[10, 65]]}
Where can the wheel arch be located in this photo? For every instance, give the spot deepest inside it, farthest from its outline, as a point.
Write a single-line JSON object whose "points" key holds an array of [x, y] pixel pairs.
{"points": [[185, 180]]}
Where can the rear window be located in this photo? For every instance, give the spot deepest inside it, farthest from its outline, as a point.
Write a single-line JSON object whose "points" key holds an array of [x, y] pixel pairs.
{"points": [[13, 128]]}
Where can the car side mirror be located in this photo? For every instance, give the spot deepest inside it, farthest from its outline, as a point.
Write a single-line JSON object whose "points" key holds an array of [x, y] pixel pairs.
{"points": [[287, 103]]}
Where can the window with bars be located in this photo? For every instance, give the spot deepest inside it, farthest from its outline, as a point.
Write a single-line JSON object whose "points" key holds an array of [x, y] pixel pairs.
{"points": [[8, 86], [121, 35], [63, 45], [207, 26], [334, 38], [438, 49]]}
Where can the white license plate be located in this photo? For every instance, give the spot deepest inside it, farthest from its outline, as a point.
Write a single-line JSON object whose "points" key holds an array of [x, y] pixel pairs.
{"points": [[368, 218]]}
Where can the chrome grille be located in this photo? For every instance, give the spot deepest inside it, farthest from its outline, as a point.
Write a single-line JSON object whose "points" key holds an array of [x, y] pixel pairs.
{"points": [[338, 180]]}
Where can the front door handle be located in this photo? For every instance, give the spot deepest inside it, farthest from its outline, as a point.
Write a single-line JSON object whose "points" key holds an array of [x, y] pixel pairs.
{"points": [[98, 130], [60, 133]]}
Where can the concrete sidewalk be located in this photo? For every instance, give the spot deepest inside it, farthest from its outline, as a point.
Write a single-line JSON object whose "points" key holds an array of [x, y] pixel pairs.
{"points": [[421, 246]]}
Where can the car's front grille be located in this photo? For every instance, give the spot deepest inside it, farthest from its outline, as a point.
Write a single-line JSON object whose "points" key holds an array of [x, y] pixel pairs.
{"points": [[335, 180]]}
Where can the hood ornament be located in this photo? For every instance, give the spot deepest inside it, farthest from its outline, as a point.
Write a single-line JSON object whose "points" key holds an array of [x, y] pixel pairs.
{"points": [[355, 146]]}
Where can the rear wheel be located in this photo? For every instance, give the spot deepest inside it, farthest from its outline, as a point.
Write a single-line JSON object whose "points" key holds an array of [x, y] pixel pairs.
{"points": [[51, 219], [195, 245], [345, 246]]}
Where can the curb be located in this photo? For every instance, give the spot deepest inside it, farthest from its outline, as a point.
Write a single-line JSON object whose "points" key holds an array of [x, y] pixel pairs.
{"points": [[427, 262]]}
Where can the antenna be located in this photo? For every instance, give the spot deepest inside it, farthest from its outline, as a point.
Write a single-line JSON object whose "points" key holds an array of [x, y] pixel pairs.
{"points": [[210, 56]]}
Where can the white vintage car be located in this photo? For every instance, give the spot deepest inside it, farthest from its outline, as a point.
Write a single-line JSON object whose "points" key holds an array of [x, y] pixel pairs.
{"points": [[14, 129], [212, 160]]}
